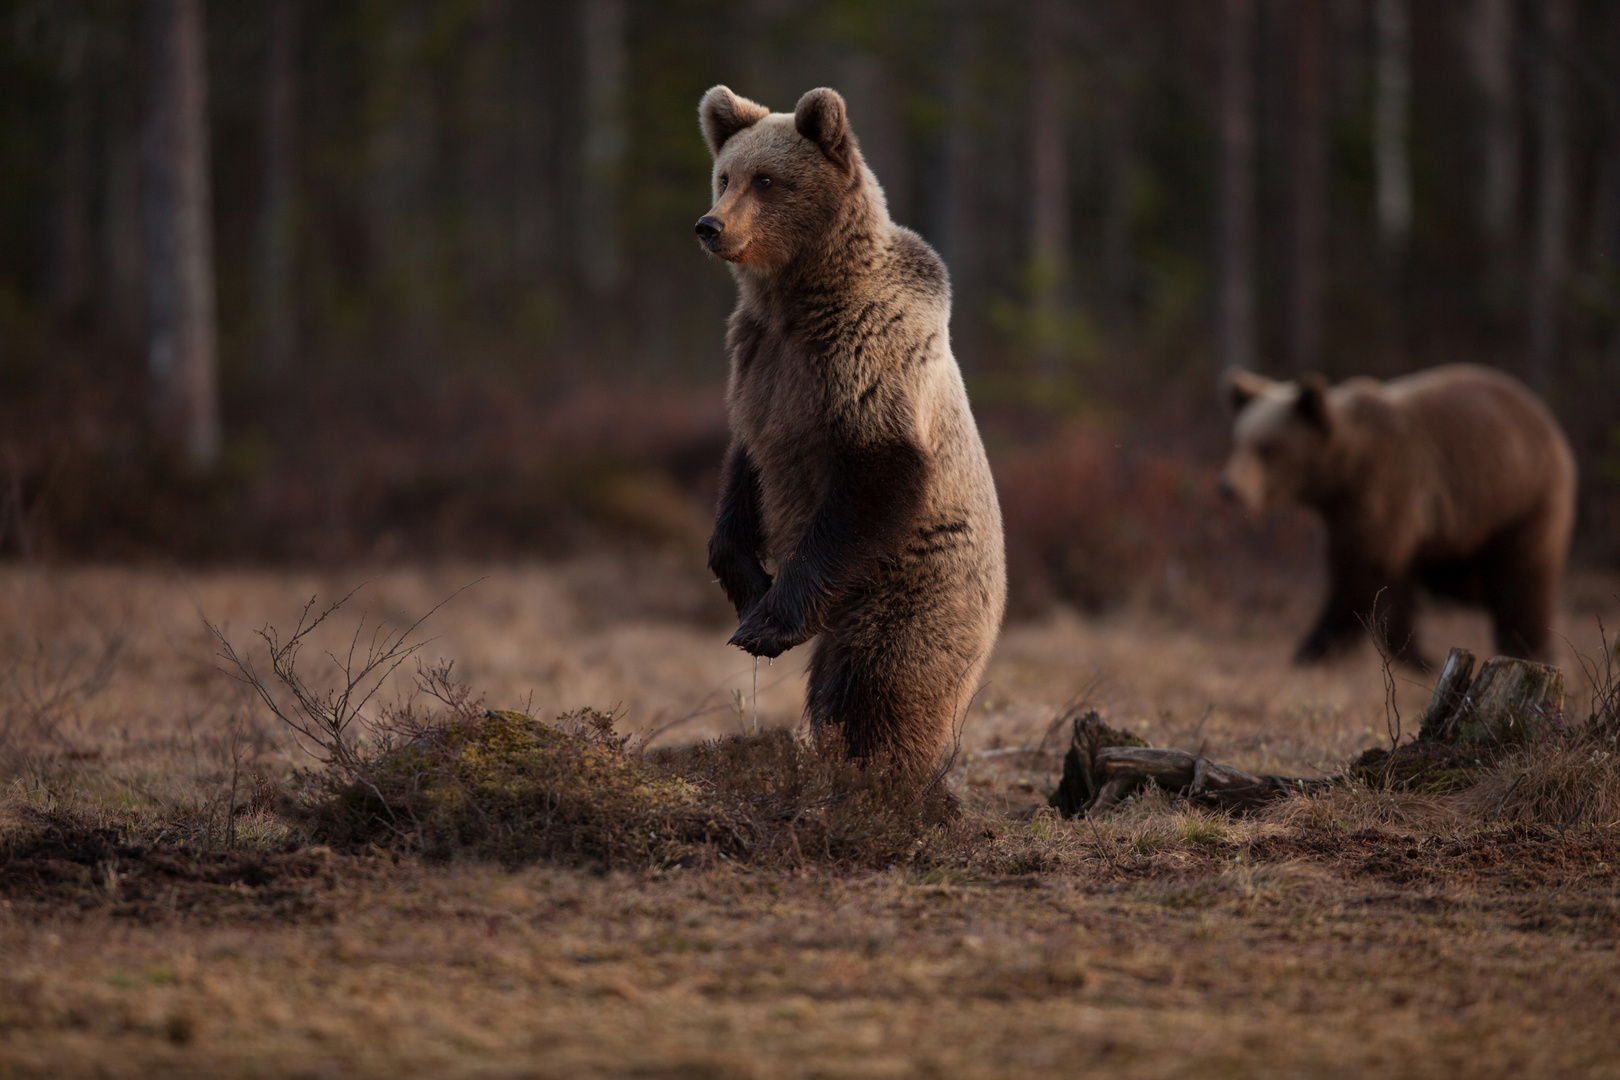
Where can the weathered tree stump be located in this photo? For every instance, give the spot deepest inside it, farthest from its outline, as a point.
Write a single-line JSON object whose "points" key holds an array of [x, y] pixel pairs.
{"points": [[1510, 701], [1082, 781]]}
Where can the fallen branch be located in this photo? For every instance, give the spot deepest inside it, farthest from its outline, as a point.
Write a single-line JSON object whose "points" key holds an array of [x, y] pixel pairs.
{"points": [[1510, 701], [1104, 766]]}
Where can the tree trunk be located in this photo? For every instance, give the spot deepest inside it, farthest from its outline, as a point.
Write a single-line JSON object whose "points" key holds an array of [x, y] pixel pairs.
{"points": [[1049, 187], [122, 284], [277, 317], [71, 245], [1235, 239], [1606, 213], [603, 29], [539, 251], [1548, 263], [485, 199], [1491, 54], [179, 237], [1394, 90], [1118, 165], [1308, 176]]}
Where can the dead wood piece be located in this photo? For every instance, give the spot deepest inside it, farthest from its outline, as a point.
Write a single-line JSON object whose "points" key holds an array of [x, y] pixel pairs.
{"points": [[1455, 676], [1168, 768], [1082, 783], [1111, 770], [1509, 701]]}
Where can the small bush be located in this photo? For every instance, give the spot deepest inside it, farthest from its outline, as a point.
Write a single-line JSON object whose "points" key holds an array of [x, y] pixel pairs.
{"points": [[509, 787], [460, 779]]}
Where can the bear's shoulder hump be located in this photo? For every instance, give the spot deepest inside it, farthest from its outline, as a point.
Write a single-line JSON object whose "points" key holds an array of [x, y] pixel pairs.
{"points": [[917, 266]]}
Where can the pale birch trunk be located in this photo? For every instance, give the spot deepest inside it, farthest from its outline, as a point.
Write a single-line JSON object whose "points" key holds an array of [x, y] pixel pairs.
{"points": [[1391, 164], [181, 341]]}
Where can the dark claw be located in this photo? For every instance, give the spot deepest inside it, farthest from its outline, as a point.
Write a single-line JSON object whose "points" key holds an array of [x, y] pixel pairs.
{"points": [[761, 635]]}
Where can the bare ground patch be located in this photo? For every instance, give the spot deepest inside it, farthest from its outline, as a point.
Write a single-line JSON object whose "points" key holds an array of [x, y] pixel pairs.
{"points": [[1362, 931]]}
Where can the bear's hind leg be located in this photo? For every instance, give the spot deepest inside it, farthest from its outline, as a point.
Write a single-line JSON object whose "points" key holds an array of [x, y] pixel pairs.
{"points": [[881, 704], [1360, 596], [1394, 618], [1522, 574]]}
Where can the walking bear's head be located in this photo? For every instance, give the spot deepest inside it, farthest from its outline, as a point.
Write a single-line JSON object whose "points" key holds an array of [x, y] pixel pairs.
{"points": [[1281, 437], [781, 182]]}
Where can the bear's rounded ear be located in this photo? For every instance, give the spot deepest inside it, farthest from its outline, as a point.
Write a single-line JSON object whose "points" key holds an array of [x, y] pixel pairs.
{"points": [[1311, 404], [1239, 387], [820, 117], [722, 114]]}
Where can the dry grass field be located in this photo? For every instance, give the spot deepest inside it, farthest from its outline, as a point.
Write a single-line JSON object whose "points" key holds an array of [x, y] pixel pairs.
{"points": [[162, 915]]}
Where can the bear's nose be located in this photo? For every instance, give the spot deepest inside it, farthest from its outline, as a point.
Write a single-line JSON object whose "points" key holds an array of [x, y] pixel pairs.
{"points": [[709, 229]]}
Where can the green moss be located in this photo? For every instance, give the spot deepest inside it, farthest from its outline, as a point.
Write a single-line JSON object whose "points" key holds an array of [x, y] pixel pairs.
{"points": [[508, 786]]}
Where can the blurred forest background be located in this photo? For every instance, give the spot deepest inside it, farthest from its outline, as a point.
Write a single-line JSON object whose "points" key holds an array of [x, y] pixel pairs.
{"points": [[361, 280]]}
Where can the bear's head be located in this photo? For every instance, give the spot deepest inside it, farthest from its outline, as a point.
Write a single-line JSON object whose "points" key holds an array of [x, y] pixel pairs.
{"points": [[780, 180], [1281, 436]]}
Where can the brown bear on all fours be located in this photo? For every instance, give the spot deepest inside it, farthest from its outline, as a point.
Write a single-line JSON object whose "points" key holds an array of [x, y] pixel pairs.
{"points": [[1456, 479], [856, 500]]}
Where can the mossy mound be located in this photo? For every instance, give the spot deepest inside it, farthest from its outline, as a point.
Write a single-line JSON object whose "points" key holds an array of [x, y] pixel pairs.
{"points": [[1427, 766], [509, 787]]}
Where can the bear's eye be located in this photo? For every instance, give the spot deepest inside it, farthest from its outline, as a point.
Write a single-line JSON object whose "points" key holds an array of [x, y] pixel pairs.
{"points": [[762, 182], [725, 181], [1268, 451]]}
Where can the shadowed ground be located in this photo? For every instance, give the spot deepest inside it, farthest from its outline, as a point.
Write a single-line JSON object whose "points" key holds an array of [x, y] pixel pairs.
{"points": [[1353, 933]]}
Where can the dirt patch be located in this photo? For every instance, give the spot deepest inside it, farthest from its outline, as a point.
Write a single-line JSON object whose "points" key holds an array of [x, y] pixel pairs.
{"points": [[62, 869]]}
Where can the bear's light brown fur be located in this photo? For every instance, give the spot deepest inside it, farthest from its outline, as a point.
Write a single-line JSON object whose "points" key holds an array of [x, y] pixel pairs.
{"points": [[856, 502], [1457, 479]]}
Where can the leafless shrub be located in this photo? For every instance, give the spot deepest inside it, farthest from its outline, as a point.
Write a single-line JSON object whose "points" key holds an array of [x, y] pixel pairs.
{"points": [[324, 720], [438, 773], [44, 684], [229, 779]]}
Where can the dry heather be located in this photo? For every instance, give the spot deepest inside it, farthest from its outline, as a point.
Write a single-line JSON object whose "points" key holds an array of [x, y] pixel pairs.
{"points": [[186, 891]]}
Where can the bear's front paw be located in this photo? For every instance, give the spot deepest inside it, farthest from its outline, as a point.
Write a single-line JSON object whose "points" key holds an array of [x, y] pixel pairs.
{"points": [[744, 580], [763, 634]]}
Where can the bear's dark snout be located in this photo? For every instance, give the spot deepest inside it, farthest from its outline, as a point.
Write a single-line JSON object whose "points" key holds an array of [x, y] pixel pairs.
{"points": [[709, 229]]}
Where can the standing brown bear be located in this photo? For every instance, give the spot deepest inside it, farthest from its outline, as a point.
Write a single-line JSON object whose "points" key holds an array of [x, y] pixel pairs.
{"points": [[1457, 479], [856, 501]]}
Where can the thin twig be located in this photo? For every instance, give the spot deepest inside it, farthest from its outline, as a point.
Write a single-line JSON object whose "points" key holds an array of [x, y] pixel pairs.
{"points": [[1503, 800], [1101, 846], [1571, 819]]}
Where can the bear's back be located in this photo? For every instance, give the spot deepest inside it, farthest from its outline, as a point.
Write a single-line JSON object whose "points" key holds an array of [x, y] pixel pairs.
{"points": [[1496, 451]]}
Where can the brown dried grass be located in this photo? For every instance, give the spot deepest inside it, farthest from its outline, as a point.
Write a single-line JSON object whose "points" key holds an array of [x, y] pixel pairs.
{"points": [[1161, 940]]}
